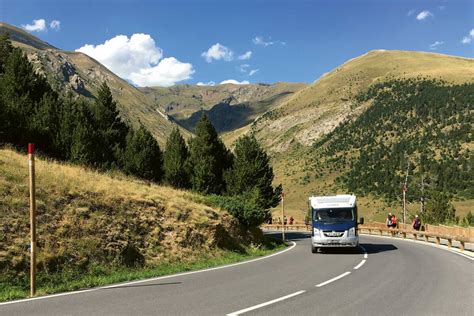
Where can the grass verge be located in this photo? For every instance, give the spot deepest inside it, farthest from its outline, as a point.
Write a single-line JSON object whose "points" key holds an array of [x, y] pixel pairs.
{"points": [[100, 275]]}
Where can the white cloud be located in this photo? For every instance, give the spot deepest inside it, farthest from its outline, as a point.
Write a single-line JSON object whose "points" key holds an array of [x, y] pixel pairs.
{"points": [[210, 83], [139, 60], [218, 52], [232, 81], [55, 25], [259, 40], [424, 15], [36, 26], [253, 72], [410, 13], [468, 39], [245, 56], [243, 68], [436, 44]]}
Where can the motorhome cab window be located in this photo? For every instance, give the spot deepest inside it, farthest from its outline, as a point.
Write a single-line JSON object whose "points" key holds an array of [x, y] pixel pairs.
{"points": [[334, 215]]}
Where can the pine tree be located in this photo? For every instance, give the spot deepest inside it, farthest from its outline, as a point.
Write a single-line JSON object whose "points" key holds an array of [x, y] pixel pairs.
{"points": [[113, 129], [6, 49], [208, 158], [252, 170], [142, 156], [176, 169]]}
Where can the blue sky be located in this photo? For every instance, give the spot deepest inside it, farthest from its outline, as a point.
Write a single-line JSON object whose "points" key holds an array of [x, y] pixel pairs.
{"points": [[292, 40]]}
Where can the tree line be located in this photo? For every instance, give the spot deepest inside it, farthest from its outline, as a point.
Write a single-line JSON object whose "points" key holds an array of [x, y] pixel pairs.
{"points": [[418, 124], [92, 133]]}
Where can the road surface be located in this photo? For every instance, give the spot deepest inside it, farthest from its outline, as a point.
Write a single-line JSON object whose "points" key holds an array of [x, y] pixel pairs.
{"points": [[391, 277]]}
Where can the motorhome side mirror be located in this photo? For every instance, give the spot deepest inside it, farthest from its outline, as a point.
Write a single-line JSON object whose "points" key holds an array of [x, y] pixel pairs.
{"points": [[361, 221]]}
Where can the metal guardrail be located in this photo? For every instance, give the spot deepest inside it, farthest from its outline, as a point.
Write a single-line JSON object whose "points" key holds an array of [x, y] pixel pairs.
{"points": [[391, 231], [416, 233]]}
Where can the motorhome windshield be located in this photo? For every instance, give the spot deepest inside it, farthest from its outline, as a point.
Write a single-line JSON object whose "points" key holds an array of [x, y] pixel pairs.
{"points": [[334, 215]]}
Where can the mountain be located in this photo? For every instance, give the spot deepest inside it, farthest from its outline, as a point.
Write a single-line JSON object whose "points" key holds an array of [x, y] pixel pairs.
{"points": [[320, 107], [229, 106], [82, 75], [358, 127]]}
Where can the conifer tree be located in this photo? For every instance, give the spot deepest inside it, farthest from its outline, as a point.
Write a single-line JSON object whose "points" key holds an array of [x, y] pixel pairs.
{"points": [[109, 123], [252, 170], [208, 158], [142, 156], [176, 169]]}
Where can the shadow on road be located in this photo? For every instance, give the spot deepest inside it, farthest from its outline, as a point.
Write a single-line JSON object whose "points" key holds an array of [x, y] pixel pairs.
{"points": [[289, 235], [376, 248], [140, 285]]}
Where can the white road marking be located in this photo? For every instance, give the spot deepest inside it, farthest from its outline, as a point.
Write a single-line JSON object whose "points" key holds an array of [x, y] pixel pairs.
{"points": [[360, 264], [148, 280], [333, 279], [248, 309]]}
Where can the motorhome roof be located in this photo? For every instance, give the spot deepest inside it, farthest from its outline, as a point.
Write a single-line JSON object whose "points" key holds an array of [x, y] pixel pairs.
{"points": [[333, 201]]}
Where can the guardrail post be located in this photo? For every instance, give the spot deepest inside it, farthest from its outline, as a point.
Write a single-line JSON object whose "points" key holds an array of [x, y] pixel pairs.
{"points": [[414, 237], [381, 232], [404, 235], [450, 243], [462, 245], [437, 241], [426, 237]]}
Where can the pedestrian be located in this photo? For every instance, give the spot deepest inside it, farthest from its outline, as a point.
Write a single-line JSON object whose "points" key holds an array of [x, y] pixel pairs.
{"points": [[416, 223], [285, 220], [394, 221], [291, 220], [389, 220]]}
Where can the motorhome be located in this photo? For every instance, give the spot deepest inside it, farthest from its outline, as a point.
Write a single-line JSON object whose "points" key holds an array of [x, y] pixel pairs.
{"points": [[334, 221]]}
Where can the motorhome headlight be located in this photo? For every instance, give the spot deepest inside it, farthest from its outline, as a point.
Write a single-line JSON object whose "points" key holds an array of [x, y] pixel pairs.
{"points": [[316, 232], [352, 232]]}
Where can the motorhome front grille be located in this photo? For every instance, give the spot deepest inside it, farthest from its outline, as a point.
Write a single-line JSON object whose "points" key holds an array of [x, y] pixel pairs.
{"points": [[331, 233]]}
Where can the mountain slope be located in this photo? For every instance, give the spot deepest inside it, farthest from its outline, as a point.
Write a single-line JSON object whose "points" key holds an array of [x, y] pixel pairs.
{"points": [[319, 108], [82, 75], [228, 106]]}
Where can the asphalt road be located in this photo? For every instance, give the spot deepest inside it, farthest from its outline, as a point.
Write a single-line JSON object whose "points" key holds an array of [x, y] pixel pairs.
{"points": [[396, 278]]}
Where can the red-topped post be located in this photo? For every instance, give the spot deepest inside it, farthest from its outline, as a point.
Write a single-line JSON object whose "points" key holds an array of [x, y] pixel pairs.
{"points": [[31, 166], [283, 215]]}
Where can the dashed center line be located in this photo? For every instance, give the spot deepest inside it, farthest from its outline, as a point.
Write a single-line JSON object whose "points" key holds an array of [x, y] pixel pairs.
{"points": [[248, 309], [251, 308], [333, 279], [360, 264]]}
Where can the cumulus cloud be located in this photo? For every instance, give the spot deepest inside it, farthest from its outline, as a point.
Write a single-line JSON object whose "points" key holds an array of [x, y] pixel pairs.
{"points": [[139, 60], [246, 55], [423, 15], [210, 83], [218, 52], [436, 44], [37, 26], [233, 81], [259, 40], [253, 72], [55, 25], [468, 39]]}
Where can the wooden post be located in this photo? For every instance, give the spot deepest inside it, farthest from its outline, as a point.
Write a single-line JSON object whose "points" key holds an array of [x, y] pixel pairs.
{"points": [[437, 241], [450, 243], [283, 216], [31, 165], [462, 245]]}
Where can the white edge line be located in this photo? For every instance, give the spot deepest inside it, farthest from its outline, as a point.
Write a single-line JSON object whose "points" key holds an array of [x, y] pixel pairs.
{"points": [[360, 264], [248, 309], [443, 247], [149, 280], [333, 279]]}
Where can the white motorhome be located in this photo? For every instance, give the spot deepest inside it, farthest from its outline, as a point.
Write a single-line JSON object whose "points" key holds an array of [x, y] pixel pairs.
{"points": [[334, 221]]}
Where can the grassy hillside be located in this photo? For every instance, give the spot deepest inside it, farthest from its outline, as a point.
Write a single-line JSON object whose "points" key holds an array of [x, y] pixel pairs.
{"points": [[82, 75], [319, 108], [90, 225], [425, 124]]}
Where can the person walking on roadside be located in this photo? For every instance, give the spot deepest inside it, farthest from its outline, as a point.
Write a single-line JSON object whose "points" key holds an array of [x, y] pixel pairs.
{"points": [[416, 223], [291, 220], [389, 220]]}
